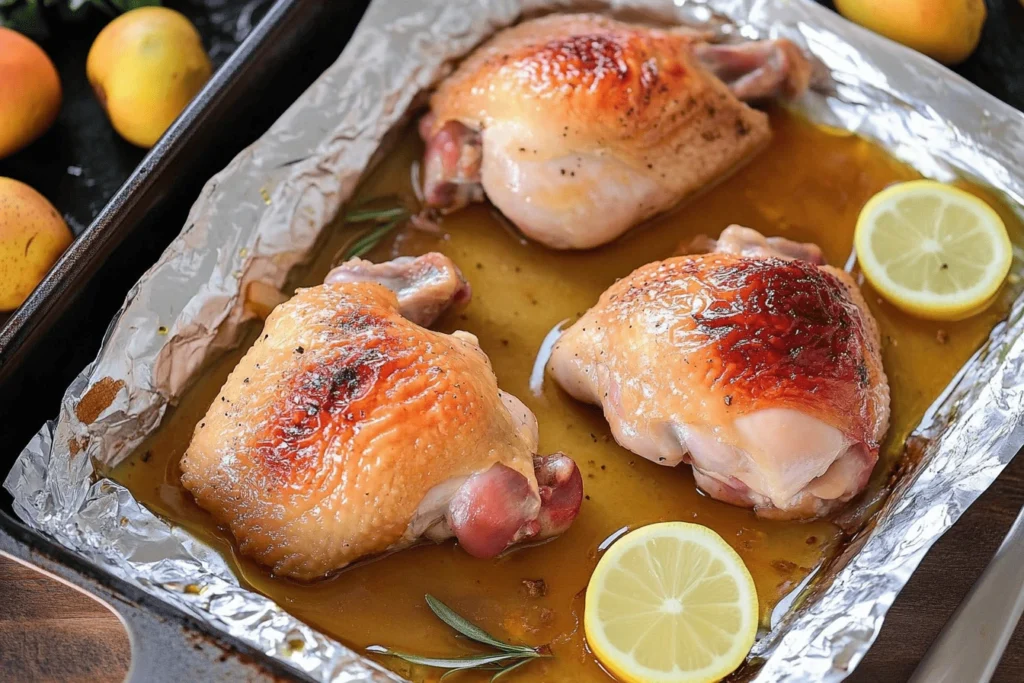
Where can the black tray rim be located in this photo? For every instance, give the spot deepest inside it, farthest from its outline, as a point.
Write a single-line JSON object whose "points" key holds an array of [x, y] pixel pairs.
{"points": [[140, 191], [167, 643]]}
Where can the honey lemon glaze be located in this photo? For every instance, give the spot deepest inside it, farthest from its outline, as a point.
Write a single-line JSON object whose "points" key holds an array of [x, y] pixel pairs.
{"points": [[809, 186]]}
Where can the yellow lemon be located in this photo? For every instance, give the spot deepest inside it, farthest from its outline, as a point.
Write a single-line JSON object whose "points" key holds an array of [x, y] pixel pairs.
{"points": [[933, 250], [32, 236], [671, 603], [146, 66], [946, 30]]}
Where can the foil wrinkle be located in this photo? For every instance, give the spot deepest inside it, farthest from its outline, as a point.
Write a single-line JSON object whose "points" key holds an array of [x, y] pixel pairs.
{"points": [[262, 216]]}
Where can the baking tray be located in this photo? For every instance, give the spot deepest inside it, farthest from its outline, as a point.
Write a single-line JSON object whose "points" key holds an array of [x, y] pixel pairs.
{"points": [[58, 329], [81, 161], [234, 657]]}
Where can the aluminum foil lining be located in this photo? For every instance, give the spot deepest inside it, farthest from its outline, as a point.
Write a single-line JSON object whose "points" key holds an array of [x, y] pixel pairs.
{"points": [[261, 216]]}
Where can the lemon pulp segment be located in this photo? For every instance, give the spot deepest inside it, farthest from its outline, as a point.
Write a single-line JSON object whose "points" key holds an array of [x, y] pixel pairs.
{"points": [[671, 602]]}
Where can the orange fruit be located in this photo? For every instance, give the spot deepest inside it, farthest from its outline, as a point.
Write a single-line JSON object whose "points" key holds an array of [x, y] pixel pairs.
{"points": [[30, 93]]}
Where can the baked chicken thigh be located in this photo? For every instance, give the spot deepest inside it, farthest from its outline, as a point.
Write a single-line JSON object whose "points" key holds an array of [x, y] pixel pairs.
{"points": [[755, 363], [578, 127], [348, 430]]}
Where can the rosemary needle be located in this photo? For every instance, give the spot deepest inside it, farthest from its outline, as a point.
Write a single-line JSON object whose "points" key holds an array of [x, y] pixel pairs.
{"points": [[508, 657], [379, 215], [371, 239], [468, 628], [501, 672], [455, 663], [386, 219]]}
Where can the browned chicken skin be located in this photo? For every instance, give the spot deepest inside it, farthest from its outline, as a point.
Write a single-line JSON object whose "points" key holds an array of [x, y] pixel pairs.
{"points": [[755, 363], [348, 430], [578, 127]]}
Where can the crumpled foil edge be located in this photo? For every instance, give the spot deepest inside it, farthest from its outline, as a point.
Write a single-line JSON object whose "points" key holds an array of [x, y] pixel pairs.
{"points": [[260, 217]]}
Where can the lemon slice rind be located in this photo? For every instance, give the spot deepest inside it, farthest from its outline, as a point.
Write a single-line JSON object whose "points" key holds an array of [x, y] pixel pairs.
{"points": [[624, 665]]}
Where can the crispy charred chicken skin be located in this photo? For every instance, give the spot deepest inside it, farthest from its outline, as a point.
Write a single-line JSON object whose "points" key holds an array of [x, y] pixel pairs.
{"points": [[578, 127], [756, 363], [348, 430]]}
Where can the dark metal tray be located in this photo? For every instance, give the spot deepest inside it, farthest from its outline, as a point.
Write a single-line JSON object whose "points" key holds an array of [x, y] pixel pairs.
{"points": [[46, 342], [81, 161], [58, 330]]}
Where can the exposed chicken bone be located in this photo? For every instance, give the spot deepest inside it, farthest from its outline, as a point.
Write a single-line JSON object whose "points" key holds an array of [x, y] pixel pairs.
{"points": [[426, 286]]}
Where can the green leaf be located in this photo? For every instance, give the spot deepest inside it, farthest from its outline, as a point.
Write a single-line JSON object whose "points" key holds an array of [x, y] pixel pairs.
{"points": [[378, 215], [457, 663], [508, 669], [28, 19], [469, 629], [127, 5]]}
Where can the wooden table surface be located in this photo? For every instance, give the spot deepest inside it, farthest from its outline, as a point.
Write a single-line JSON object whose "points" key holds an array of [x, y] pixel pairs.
{"points": [[50, 632]]}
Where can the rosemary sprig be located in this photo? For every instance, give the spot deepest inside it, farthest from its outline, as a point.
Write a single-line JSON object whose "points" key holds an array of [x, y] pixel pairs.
{"points": [[456, 663], [508, 658], [385, 220], [371, 239], [508, 669], [468, 628], [378, 215]]}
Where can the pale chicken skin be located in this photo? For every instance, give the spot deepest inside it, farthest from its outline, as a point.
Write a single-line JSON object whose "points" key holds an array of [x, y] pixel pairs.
{"points": [[756, 364], [348, 431], [578, 127]]}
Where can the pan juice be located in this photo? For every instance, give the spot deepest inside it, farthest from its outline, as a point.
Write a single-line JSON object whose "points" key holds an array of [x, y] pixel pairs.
{"points": [[808, 185]]}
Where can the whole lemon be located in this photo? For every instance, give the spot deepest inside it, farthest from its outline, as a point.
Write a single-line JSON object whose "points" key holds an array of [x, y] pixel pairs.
{"points": [[32, 236], [946, 30], [145, 66], [29, 92]]}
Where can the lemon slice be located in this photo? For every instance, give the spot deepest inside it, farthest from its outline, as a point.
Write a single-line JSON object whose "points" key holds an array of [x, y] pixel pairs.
{"points": [[932, 250], [671, 602]]}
